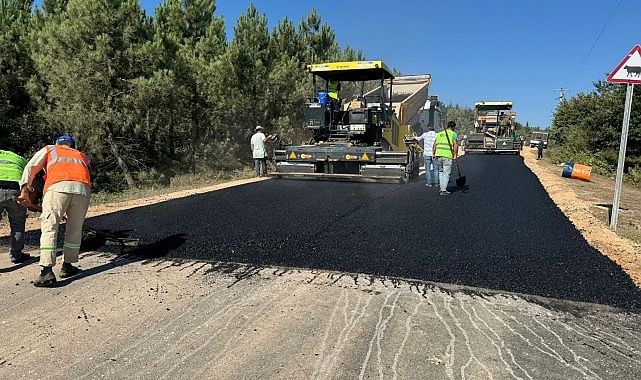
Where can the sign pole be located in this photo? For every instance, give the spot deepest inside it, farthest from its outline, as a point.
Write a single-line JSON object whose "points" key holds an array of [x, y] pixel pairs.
{"points": [[621, 163]]}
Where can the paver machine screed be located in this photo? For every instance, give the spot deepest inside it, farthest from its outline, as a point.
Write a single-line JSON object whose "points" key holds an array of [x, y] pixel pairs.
{"points": [[363, 139]]}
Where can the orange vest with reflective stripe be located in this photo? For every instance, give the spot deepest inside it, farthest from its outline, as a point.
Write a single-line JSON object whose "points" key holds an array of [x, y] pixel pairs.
{"points": [[65, 164]]}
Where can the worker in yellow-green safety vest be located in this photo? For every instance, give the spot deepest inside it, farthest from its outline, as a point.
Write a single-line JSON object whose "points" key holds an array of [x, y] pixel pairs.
{"points": [[333, 89], [445, 152], [11, 167]]}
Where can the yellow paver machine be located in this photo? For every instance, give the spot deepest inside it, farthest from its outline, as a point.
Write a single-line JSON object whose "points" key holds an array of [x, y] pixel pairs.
{"points": [[365, 138], [494, 124]]}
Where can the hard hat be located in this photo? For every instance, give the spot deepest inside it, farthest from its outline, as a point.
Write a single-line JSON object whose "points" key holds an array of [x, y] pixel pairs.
{"points": [[259, 128], [67, 139]]}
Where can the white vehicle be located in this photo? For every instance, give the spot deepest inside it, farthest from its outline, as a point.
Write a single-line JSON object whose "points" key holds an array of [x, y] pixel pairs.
{"points": [[539, 136]]}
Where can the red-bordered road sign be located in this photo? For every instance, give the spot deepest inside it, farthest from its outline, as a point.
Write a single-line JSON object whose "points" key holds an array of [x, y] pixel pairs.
{"points": [[629, 70]]}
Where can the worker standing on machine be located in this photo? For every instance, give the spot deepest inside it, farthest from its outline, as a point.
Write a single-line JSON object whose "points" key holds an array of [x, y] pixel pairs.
{"points": [[334, 89], [334, 93], [67, 191]]}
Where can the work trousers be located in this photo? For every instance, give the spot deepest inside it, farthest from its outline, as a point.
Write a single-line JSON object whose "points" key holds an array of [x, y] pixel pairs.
{"points": [[431, 170], [260, 166], [17, 219], [444, 170], [54, 207]]}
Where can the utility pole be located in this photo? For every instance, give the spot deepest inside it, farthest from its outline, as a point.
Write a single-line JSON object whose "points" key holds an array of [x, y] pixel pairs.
{"points": [[561, 93]]}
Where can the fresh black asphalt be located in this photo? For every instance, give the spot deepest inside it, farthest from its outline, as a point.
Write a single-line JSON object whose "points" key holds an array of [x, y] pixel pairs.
{"points": [[501, 232]]}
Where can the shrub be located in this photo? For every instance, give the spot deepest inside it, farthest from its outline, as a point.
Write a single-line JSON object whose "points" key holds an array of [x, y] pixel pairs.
{"points": [[108, 182], [153, 178], [602, 162], [633, 176]]}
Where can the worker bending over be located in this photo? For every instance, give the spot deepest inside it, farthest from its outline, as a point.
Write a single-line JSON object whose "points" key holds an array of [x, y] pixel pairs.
{"points": [[67, 190]]}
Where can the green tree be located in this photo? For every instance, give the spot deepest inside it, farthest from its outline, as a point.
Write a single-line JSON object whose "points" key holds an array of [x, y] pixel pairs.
{"points": [[587, 129], [286, 89], [191, 38], [319, 39], [16, 106], [250, 61], [87, 55], [462, 116]]}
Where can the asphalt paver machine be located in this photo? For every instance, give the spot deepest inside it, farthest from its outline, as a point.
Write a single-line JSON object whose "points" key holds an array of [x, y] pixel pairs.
{"points": [[362, 139], [494, 124]]}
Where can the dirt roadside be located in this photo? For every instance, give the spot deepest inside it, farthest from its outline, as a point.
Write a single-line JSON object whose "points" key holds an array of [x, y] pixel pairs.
{"points": [[584, 203]]}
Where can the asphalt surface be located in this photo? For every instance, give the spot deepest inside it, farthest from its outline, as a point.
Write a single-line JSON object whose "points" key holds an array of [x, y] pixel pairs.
{"points": [[502, 232]]}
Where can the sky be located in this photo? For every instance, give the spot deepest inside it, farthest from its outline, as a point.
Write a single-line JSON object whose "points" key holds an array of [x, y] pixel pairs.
{"points": [[524, 51]]}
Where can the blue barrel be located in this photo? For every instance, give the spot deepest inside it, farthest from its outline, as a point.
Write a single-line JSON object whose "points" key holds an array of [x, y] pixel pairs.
{"points": [[323, 97], [568, 167]]}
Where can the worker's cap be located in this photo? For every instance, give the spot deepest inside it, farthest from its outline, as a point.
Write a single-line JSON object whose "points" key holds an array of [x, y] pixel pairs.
{"points": [[66, 139], [259, 128]]}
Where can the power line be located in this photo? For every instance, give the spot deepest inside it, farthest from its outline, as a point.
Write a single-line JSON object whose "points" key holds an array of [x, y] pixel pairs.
{"points": [[607, 22]]}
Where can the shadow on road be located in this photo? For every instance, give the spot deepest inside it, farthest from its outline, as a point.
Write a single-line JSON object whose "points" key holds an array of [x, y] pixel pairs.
{"points": [[144, 252]]}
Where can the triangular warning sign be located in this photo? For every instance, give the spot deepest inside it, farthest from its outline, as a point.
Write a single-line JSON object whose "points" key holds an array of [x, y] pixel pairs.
{"points": [[292, 156], [364, 157], [629, 70]]}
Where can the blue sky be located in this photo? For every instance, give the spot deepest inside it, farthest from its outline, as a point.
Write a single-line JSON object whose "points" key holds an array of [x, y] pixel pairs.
{"points": [[517, 50]]}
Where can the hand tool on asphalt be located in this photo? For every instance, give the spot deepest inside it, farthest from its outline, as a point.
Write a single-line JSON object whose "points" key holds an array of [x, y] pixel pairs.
{"points": [[123, 241], [460, 181]]}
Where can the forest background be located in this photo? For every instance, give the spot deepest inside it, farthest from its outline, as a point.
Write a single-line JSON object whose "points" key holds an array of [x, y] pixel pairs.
{"points": [[152, 98]]}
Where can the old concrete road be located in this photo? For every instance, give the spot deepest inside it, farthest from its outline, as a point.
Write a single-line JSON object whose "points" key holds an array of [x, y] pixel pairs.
{"points": [[307, 279]]}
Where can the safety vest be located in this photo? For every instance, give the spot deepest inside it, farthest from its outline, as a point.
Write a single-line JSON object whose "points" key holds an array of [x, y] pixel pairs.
{"points": [[442, 145], [65, 164], [333, 89], [11, 166]]}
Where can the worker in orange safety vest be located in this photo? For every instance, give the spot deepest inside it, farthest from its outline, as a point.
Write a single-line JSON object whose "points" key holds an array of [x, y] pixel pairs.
{"points": [[67, 190]]}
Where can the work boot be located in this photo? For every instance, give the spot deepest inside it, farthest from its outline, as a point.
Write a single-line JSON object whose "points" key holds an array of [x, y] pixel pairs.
{"points": [[21, 258], [68, 270], [46, 278]]}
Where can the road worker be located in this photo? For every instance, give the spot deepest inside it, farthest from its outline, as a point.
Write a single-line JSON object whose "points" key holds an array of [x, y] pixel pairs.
{"points": [[259, 151], [334, 89], [431, 165], [67, 191], [11, 167], [445, 152]]}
